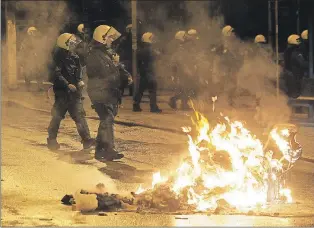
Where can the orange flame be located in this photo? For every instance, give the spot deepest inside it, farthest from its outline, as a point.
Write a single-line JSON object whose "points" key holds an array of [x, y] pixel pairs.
{"points": [[235, 161]]}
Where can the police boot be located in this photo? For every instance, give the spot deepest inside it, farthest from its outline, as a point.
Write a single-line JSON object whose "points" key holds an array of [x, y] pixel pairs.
{"points": [[155, 109], [52, 144], [136, 108], [112, 154], [102, 154], [131, 90], [173, 103], [88, 143]]}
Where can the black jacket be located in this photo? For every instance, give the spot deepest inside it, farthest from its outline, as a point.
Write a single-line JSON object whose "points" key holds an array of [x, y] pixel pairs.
{"points": [[299, 63], [104, 76], [67, 70], [82, 48], [287, 57], [121, 65], [124, 48], [146, 58]]}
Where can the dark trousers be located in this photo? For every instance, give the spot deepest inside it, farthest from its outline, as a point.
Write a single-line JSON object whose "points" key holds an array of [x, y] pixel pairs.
{"points": [[183, 94], [144, 84], [293, 84], [35, 73], [64, 103], [124, 84], [105, 135]]}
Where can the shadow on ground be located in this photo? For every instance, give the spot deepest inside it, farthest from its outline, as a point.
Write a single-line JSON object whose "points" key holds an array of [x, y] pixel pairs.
{"points": [[126, 173]]}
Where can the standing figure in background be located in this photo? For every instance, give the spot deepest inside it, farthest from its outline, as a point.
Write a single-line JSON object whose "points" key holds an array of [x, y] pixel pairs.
{"points": [[82, 51], [146, 59], [67, 86], [104, 81], [230, 63], [124, 49], [180, 73], [30, 56], [294, 64]]}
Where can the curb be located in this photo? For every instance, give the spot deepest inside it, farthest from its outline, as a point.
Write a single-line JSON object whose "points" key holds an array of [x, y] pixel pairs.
{"points": [[123, 123]]}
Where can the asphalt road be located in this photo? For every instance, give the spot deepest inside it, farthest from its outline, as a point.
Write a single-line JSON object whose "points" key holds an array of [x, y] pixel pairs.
{"points": [[34, 179]]}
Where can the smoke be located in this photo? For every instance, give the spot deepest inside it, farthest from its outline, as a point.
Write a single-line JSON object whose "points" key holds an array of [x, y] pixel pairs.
{"points": [[255, 71], [34, 54], [87, 178]]}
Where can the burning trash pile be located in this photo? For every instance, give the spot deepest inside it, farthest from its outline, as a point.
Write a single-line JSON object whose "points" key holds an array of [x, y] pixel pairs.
{"points": [[227, 168]]}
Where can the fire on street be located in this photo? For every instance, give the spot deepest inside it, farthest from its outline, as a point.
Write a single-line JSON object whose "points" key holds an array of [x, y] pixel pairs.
{"points": [[34, 179]]}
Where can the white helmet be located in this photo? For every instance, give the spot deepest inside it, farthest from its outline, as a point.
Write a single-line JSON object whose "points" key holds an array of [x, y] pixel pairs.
{"points": [[148, 37], [80, 28], [227, 30], [102, 32], [66, 41], [294, 39], [192, 34], [260, 39], [31, 30], [180, 35], [305, 35]]}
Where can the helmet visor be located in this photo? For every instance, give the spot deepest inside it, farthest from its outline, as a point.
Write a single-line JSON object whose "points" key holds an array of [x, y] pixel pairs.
{"points": [[73, 42], [113, 34]]}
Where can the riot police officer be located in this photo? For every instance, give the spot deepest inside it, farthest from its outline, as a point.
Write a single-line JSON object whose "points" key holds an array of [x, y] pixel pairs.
{"points": [[104, 80], [230, 63], [67, 83], [299, 64], [82, 51], [82, 48], [31, 59], [183, 72], [304, 46], [146, 59], [124, 49], [80, 31], [175, 67], [295, 64]]}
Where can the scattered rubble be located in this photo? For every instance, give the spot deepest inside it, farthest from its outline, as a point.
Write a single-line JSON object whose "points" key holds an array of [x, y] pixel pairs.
{"points": [[97, 200]]}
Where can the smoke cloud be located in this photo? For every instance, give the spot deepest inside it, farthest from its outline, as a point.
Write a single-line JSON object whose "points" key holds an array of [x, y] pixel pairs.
{"points": [[255, 76], [34, 55]]}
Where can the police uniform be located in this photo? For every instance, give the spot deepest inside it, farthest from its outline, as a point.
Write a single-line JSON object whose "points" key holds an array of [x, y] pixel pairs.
{"points": [[104, 80], [299, 67], [31, 60], [184, 77], [68, 71], [145, 60], [231, 64], [124, 49]]}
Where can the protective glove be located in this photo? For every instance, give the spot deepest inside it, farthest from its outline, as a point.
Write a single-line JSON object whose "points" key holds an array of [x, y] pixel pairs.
{"points": [[81, 84], [72, 88], [116, 59], [130, 80]]}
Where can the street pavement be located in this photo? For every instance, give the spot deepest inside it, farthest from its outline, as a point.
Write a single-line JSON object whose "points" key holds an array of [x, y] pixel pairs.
{"points": [[34, 179]]}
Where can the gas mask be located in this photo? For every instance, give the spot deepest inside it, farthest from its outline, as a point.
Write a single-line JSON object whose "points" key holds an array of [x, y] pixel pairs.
{"points": [[73, 42], [111, 36]]}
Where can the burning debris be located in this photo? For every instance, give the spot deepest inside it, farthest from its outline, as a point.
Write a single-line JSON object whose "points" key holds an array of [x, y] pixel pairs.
{"points": [[228, 170], [98, 199]]}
